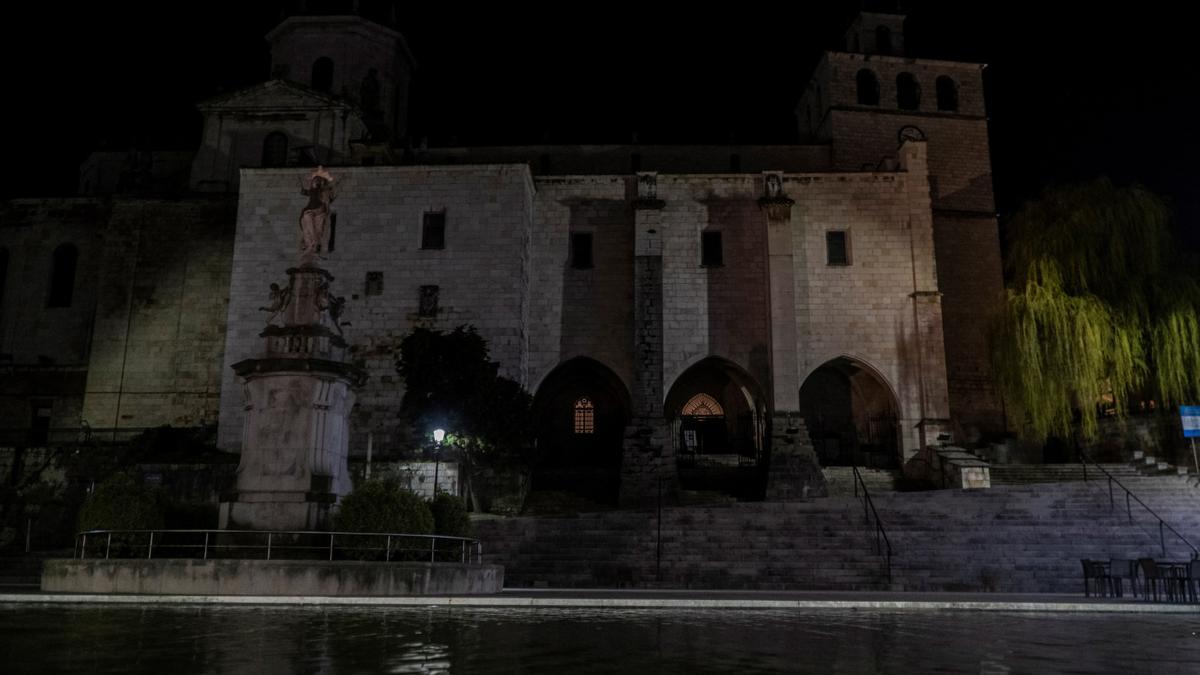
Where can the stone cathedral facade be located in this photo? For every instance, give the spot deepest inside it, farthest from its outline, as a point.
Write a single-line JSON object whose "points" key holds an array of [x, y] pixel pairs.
{"points": [[695, 314]]}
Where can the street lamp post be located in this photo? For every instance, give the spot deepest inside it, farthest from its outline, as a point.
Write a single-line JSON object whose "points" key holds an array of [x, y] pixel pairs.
{"points": [[438, 436]]}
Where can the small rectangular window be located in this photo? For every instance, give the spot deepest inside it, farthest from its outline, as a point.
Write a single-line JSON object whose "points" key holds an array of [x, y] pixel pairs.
{"points": [[39, 425], [374, 283], [837, 249], [433, 230], [710, 249], [428, 301], [581, 250], [332, 231]]}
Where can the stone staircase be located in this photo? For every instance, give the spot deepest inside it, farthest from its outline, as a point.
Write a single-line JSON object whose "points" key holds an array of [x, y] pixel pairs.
{"points": [[840, 480], [1025, 474], [1020, 538], [775, 546]]}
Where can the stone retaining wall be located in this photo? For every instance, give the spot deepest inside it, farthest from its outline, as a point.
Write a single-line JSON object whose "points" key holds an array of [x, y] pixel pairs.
{"points": [[269, 577]]}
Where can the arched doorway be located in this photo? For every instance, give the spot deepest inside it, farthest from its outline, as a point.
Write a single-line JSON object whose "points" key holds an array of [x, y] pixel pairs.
{"points": [[581, 411], [717, 414], [850, 413]]}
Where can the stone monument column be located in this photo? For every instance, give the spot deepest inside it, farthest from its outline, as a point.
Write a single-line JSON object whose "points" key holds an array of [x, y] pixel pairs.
{"points": [[648, 459], [299, 393], [793, 471]]}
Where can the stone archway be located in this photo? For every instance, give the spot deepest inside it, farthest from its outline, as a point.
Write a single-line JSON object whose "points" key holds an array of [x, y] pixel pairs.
{"points": [[851, 414], [581, 410], [718, 417]]}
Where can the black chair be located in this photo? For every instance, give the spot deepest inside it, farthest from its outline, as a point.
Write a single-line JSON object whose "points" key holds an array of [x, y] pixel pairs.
{"points": [[1156, 577], [1093, 572], [1122, 569]]}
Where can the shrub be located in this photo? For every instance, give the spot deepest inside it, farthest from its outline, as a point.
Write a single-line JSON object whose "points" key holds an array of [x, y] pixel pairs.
{"points": [[450, 516], [121, 502], [381, 505]]}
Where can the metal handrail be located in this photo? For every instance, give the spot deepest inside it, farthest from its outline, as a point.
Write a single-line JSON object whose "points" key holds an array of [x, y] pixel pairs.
{"points": [[1162, 524], [468, 551], [883, 546]]}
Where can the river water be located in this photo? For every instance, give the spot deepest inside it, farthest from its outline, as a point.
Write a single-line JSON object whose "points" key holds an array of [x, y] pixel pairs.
{"points": [[195, 639]]}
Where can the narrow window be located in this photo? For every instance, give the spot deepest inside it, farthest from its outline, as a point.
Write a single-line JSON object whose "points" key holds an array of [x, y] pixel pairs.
{"points": [[883, 39], [62, 276], [322, 74], [585, 417], [374, 283], [868, 87], [947, 94], [332, 231], [710, 249], [428, 301], [836, 250], [908, 92], [581, 250], [39, 424], [275, 149], [433, 230]]}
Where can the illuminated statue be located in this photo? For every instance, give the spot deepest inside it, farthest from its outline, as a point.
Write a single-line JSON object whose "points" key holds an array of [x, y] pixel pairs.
{"points": [[314, 219]]}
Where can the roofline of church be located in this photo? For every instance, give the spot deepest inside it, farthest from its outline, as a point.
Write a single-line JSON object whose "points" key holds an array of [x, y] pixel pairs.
{"points": [[965, 65]]}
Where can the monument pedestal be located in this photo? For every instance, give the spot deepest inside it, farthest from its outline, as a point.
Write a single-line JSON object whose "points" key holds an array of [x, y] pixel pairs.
{"points": [[794, 473], [648, 471], [299, 395]]}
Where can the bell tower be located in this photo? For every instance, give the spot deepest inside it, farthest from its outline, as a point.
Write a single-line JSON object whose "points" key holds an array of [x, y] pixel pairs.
{"points": [[864, 101], [349, 49]]}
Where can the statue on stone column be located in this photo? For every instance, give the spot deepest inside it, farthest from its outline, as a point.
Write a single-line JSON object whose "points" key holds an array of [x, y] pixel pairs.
{"points": [[314, 219], [333, 305], [278, 301]]}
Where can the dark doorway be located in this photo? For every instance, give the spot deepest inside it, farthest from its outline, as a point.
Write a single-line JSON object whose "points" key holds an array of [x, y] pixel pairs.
{"points": [[582, 409], [851, 415], [717, 414]]}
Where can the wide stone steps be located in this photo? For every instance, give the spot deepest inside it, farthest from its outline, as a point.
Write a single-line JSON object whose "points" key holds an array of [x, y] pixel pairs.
{"points": [[1025, 474], [1023, 538]]}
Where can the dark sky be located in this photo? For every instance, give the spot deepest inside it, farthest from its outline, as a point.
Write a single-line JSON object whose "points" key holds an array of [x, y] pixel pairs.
{"points": [[1074, 91]]}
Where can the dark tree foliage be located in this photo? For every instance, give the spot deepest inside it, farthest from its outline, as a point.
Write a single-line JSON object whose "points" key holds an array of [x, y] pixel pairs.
{"points": [[383, 505], [1102, 307], [122, 502], [450, 383], [450, 516]]}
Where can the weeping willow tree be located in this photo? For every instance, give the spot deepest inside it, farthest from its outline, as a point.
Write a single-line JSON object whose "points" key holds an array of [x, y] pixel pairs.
{"points": [[1101, 307]]}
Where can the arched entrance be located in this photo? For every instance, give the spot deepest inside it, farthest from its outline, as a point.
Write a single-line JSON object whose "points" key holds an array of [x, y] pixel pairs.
{"points": [[718, 415], [581, 411], [851, 415]]}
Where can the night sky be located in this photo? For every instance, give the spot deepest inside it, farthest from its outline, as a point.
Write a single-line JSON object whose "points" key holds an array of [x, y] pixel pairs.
{"points": [[1072, 93]]}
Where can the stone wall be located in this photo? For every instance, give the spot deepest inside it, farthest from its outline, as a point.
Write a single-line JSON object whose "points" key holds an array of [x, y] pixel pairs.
{"points": [[866, 310], [44, 350], [481, 272], [966, 231], [593, 308], [159, 329], [506, 269], [270, 577]]}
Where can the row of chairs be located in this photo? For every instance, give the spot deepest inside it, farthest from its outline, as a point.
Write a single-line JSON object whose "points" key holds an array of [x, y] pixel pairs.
{"points": [[1148, 579]]}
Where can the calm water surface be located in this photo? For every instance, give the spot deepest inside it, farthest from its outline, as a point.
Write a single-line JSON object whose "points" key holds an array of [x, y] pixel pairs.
{"points": [[179, 640]]}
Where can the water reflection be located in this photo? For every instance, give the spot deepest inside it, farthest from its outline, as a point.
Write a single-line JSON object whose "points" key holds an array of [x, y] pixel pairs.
{"points": [[178, 640]]}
